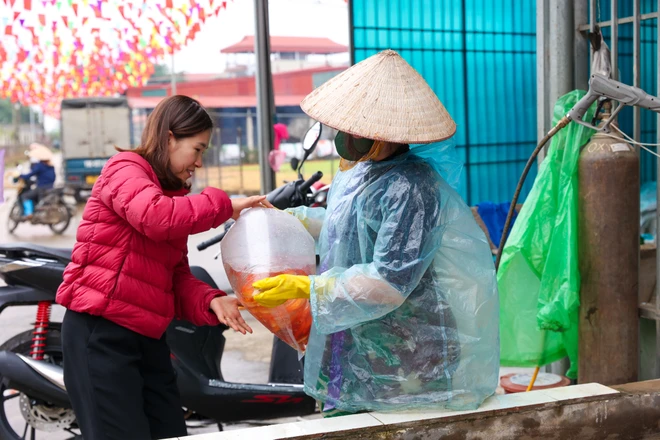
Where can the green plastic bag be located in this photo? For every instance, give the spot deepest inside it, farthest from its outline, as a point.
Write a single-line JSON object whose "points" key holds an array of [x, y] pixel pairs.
{"points": [[538, 278]]}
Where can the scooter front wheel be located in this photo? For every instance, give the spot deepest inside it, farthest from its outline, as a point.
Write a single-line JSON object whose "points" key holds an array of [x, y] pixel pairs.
{"points": [[14, 218]]}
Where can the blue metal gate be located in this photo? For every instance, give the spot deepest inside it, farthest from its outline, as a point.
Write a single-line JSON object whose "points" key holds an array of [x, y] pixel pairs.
{"points": [[479, 56]]}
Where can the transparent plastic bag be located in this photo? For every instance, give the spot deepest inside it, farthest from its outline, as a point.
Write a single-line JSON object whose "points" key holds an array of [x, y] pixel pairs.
{"points": [[276, 158], [265, 243]]}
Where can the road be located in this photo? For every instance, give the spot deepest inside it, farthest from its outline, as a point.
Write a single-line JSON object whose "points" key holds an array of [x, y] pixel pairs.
{"points": [[246, 358]]}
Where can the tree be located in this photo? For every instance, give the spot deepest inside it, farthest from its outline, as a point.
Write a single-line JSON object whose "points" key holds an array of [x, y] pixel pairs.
{"points": [[161, 75], [161, 70], [7, 113]]}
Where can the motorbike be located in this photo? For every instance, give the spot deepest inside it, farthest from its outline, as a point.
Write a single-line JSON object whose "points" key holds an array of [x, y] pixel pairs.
{"points": [[51, 209], [31, 362], [320, 195], [293, 193], [318, 191]]}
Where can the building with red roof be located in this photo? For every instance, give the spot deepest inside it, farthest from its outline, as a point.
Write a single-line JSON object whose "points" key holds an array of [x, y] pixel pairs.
{"points": [[231, 96], [302, 45]]}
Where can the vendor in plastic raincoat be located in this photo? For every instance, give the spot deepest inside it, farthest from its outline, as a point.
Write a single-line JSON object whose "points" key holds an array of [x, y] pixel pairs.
{"points": [[405, 305]]}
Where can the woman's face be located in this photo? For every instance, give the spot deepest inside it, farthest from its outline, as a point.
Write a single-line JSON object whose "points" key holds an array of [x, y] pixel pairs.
{"points": [[186, 154]]}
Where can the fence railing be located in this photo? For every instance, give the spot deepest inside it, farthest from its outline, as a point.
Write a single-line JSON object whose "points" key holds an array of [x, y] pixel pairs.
{"points": [[232, 161]]}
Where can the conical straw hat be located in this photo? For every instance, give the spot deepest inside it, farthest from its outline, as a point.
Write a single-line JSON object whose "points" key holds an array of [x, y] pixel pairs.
{"points": [[381, 98], [40, 152]]}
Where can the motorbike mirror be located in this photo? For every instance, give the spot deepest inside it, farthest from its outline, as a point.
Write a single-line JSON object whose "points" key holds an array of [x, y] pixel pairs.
{"points": [[309, 142], [294, 163], [311, 137]]}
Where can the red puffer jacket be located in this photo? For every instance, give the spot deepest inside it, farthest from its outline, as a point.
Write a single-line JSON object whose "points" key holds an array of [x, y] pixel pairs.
{"points": [[130, 262]]}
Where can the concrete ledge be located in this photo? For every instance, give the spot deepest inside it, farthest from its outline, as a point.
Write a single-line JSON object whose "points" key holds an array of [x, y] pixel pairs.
{"points": [[589, 411]]}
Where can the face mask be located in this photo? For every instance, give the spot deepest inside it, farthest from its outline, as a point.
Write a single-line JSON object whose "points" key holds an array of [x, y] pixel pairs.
{"points": [[350, 147]]}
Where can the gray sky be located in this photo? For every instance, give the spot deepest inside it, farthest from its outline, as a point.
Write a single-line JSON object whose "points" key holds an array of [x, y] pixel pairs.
{"points": [[292, 18]]}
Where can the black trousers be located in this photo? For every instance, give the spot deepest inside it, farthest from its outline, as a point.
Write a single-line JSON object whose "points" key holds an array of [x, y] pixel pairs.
{"points": [[121, 384], [34, 194]]}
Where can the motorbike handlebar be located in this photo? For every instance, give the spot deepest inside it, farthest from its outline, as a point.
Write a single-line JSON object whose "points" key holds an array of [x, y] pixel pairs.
{"points": [[210, 242], [307, 184], [281, 198]]}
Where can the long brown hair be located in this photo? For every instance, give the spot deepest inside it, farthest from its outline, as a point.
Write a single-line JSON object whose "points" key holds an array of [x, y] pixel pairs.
{"points": [[184, 117]]}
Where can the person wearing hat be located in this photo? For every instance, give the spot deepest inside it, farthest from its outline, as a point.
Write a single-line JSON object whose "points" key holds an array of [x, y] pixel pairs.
{"points": [[44, 171], [405, 306]]}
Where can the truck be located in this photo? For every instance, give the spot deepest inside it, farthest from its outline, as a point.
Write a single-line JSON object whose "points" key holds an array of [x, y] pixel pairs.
{"points": [[91, 128]]}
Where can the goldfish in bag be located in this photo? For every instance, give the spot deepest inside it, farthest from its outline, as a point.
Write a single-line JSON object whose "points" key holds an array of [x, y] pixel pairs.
{"points": [[265, 243]]}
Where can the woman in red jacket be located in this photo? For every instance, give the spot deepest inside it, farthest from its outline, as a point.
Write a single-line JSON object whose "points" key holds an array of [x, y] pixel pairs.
{"points": [[129, 277]]}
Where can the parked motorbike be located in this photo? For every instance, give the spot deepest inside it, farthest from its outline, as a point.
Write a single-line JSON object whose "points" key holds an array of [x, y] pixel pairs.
{"points": [[320, 195], [319, 190], [31, 363], [292, 194], [51, 210]]}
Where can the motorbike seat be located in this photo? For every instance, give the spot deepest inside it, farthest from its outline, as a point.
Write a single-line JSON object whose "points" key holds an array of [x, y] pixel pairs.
{"points": [[57, 190], [18, 250]]}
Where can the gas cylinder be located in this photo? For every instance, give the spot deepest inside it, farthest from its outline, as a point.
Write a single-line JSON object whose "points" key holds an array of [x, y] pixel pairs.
{"points": [[608, 218]]}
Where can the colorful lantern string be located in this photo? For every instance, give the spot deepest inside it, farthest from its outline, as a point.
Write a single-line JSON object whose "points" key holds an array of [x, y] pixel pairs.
{"points": [[56, 49]]}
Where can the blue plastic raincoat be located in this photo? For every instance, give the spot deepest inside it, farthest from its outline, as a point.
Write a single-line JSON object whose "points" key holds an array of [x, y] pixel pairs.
{"points": [[405, 308]]}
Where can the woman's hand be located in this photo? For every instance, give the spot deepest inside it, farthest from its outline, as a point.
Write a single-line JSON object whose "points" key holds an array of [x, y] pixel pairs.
{"points": [[226, 309], [248, 202]]}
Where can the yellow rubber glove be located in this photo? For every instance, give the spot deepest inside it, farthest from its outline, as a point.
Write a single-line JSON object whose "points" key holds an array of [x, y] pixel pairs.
{"points": [[277, 290]]}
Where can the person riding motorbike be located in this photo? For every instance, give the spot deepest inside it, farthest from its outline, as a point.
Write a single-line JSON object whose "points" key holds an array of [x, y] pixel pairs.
{"points": [[405, 307], [44, 171]]}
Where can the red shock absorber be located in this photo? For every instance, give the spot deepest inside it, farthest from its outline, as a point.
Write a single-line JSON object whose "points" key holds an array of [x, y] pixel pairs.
{"points": [[40, 330]]}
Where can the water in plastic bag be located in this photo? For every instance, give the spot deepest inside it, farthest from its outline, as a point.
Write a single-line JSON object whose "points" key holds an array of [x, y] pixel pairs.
{"points": [[265, 243]]}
